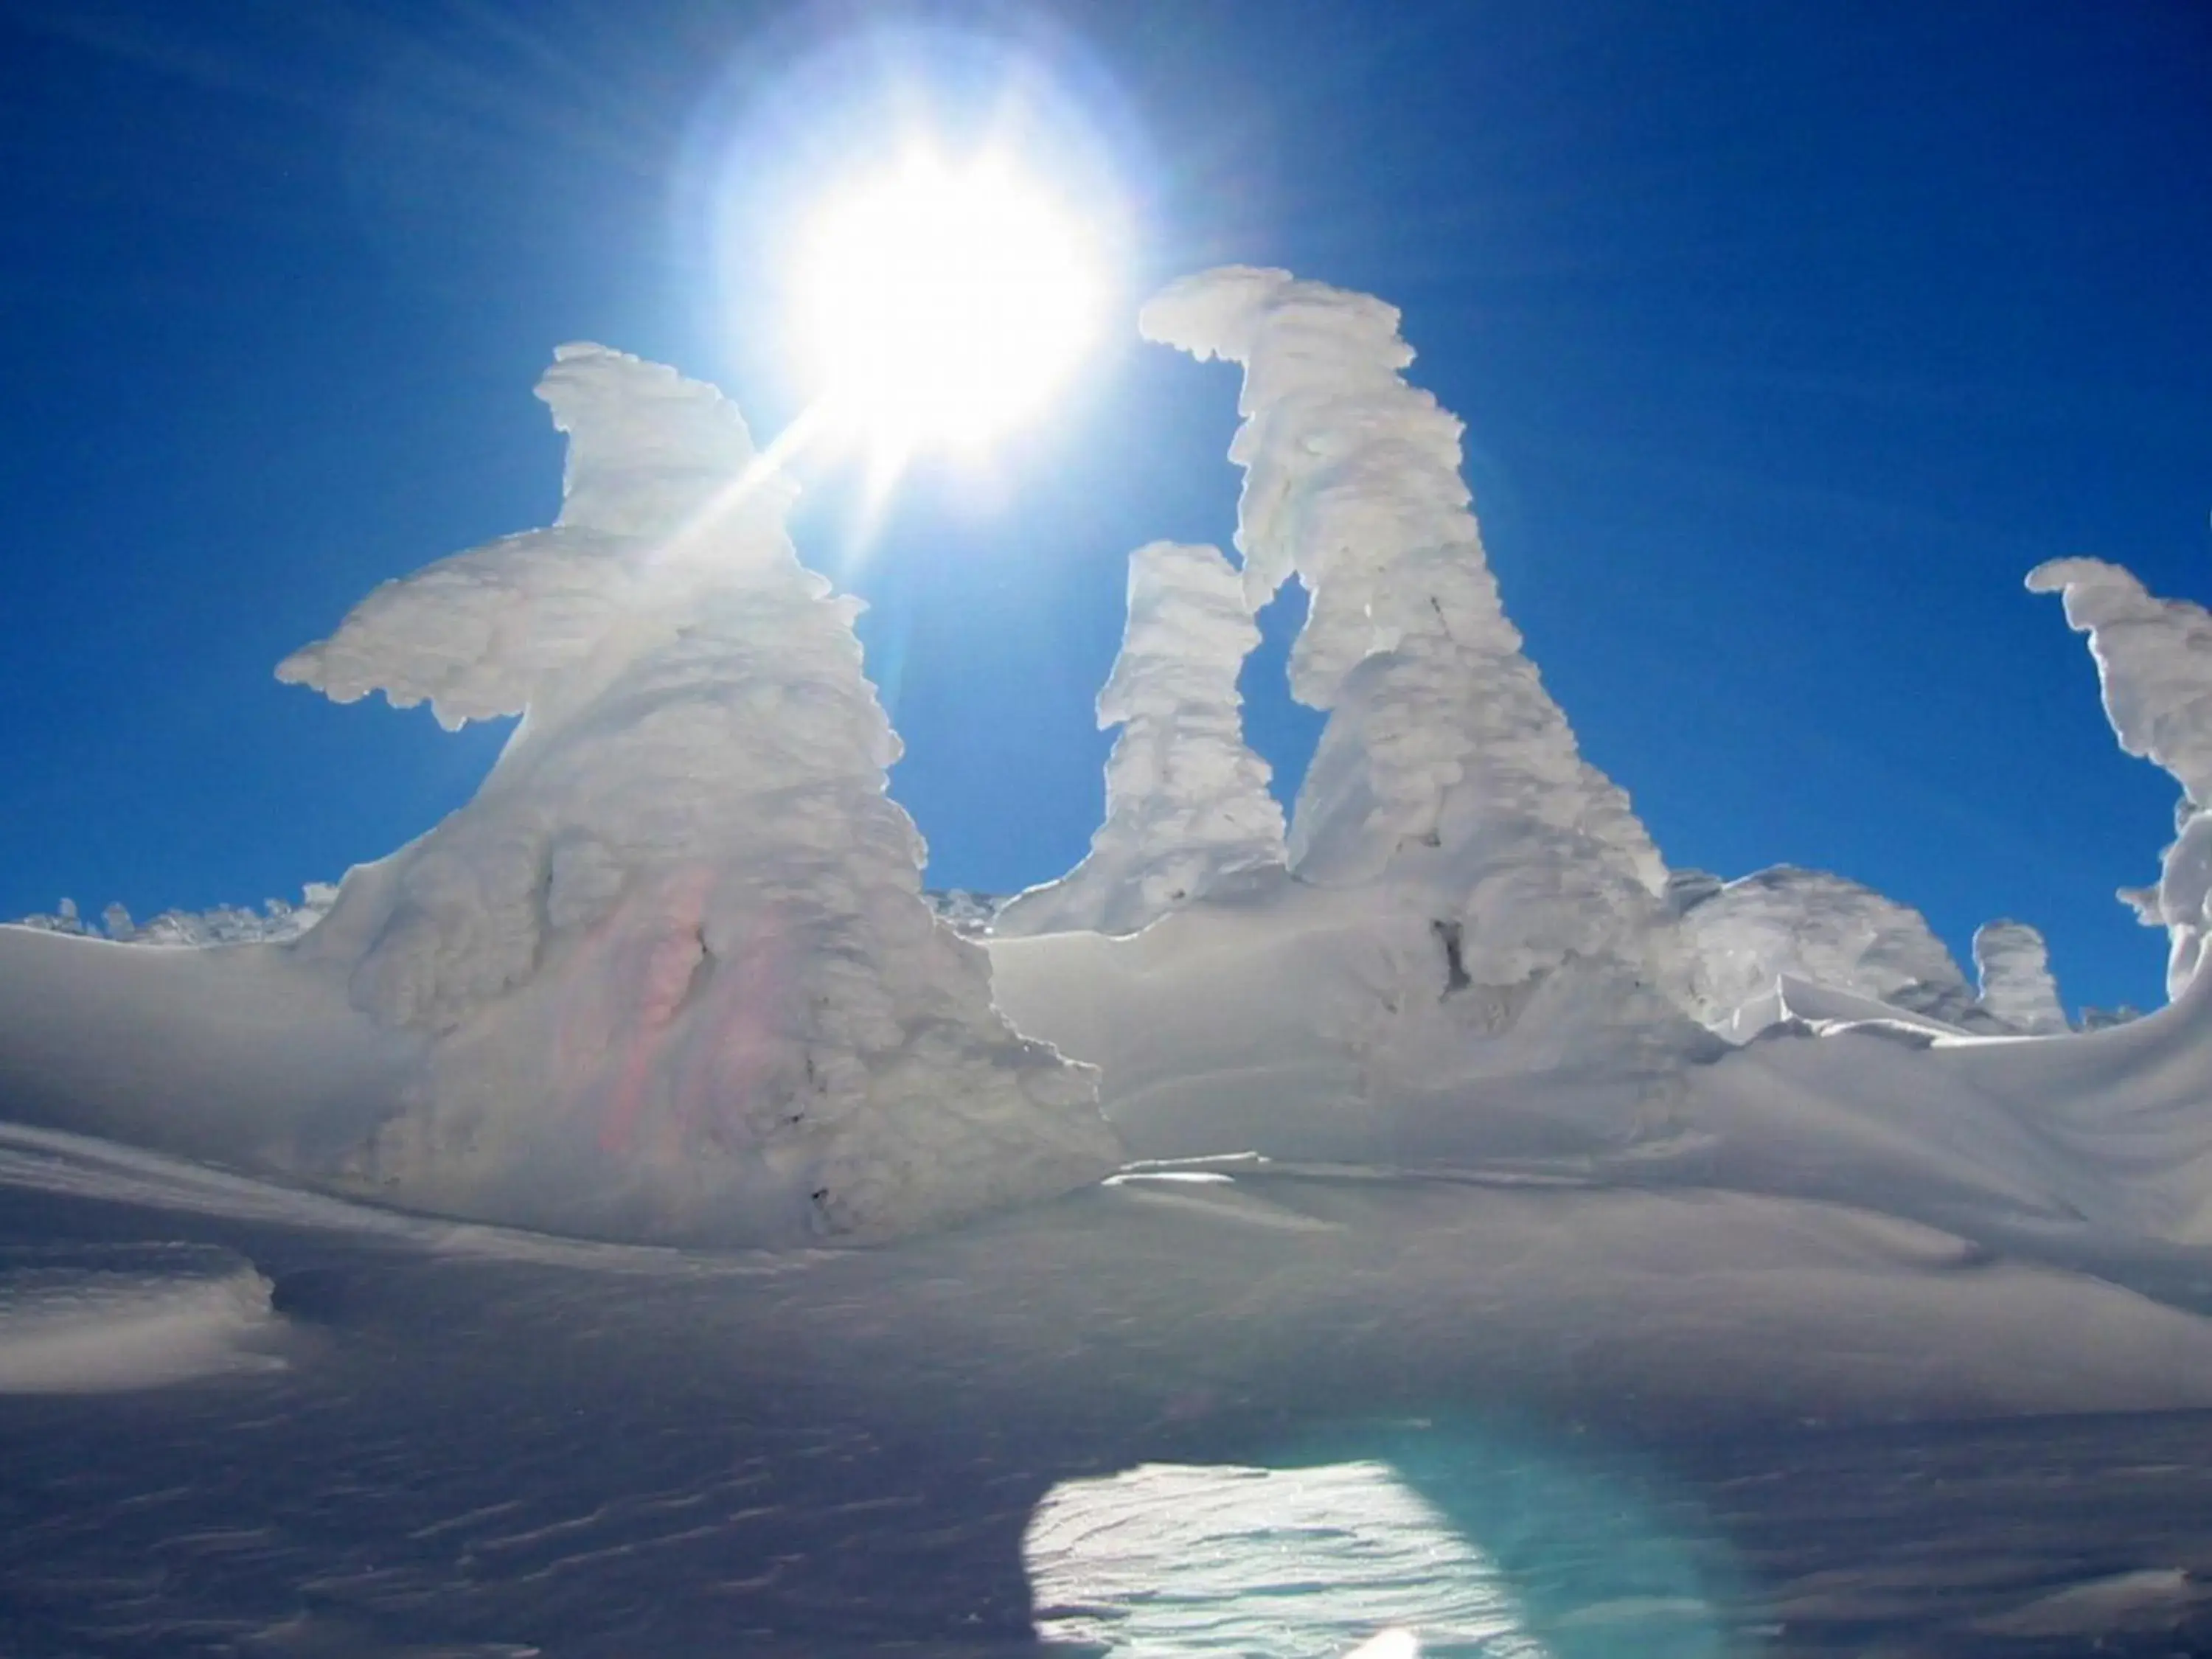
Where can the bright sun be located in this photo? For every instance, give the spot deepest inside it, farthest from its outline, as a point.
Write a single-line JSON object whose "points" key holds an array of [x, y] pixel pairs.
{"points": [[940, 304]]}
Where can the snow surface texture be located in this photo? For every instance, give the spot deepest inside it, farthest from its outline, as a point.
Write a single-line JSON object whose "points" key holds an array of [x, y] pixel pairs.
{"points": [[672, 963], [2014, 964], [1186, 801], [2155, 663], [1443, 1395], [1446, 770]]}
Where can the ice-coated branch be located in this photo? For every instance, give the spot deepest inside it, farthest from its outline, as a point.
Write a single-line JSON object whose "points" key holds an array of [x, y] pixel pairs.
{"points": [[673, 963], [1186, 801], [1444, 762], [2014, 964], [2155, 664]]}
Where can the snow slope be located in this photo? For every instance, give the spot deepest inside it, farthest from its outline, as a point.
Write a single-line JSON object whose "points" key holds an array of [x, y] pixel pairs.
{"points": [[1527, 1399]]}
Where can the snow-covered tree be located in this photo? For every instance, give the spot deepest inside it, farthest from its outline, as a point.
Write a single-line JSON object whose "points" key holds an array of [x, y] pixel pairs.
{"points": [[1186, 801], [1825, 930], [2014, 964], [2155, 663], [674, 962], [1446, 771]]}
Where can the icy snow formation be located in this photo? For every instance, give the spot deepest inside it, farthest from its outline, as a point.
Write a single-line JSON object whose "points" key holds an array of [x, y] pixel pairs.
{"points": [[2155, 664], [1187, 802], [1825, 930], [673, 964], [2014, 964], [1465, 900], [1446, 772]]}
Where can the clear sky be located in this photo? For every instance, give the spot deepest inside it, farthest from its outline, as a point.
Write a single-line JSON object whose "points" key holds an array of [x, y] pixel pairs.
{"points": [[1788, 339]]}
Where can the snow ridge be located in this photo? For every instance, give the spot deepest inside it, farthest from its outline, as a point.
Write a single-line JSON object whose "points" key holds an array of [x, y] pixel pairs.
{"points": [[1186, 801], [2154, 666], [674, 962]]}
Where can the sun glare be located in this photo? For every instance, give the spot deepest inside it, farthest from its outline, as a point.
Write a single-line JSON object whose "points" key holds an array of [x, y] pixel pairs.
{"points": [[942, 304]]}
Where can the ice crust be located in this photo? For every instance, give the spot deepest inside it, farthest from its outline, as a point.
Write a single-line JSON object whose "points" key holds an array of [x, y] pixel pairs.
{"points": [[1186, 801], [2155, 664], [673, 961]]}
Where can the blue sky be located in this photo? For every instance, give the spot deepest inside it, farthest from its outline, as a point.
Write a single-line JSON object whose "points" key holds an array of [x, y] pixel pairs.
{"points": [[1788, 339]]}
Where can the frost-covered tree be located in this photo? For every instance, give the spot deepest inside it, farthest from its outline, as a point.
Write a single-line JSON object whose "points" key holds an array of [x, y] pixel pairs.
{"points": [[1186, 801], [2155, 663], [2014, 964], [1446, 772], [1825, 930], [673, 965]]}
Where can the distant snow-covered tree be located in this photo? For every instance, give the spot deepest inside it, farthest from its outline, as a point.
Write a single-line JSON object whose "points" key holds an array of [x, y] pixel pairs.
{"points": [[1186, 801], [2014, 964], [1825, 930]]}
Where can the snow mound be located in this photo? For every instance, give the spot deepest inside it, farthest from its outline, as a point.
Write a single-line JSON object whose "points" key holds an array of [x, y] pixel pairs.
{"points": [[107, 1318], [2155, 664], [1186, 801], [1824, 929], [673, 963], [2013, 965]]}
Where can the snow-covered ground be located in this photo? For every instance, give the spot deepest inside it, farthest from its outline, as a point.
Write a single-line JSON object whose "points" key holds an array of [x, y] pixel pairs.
{"points": [[1264, 1239], [1270, 1413]]}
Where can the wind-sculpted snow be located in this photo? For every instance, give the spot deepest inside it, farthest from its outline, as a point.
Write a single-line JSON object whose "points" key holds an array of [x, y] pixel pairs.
{"points": [[2155, 664], [1446, 772], [1186, 801], [2014, 964], [673, 961], [1824, 929]]}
